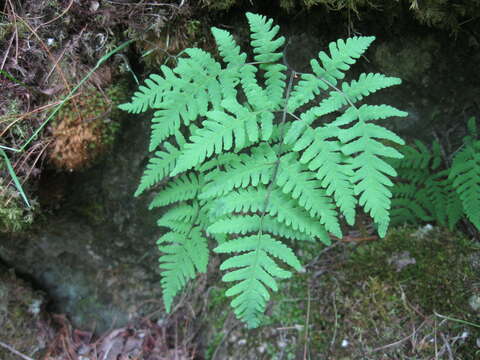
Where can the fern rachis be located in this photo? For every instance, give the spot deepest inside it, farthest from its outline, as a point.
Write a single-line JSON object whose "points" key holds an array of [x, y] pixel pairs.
{"points": [[254, 171]]}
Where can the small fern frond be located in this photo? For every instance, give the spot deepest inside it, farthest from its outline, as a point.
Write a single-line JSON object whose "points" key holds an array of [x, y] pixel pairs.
{"points": [[285, 209], [245, 224], [216, 136], [265, 49], [262, 33], [186, 187], [355, 91], [343, 54], [184, 255], [148, 96], [405, 210], [241, 172], [302, 185], [305, 91], [465, 176], [325, 157], [228, 49], [371, 180], [158, 167], [254, 271]]}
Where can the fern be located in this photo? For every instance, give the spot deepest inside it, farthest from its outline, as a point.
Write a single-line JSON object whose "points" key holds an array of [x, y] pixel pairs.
{"points": [[465, 177], [428, 189], [244, 156]]}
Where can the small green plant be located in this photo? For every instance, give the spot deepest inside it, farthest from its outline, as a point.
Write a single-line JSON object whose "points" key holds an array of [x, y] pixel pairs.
{"points": [[428, 189], [263, 164]]}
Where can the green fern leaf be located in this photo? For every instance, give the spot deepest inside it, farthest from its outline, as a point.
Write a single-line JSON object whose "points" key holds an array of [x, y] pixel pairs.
{"points": [[184, 256], [343, 54], [158, 167], [186, 187], [305, 91], [355, 91], [285, 209], [255, 274], [254, 167], [301, 184], [241, 171], [228, 48], [465, 175], [148, 96], [266, 52], [331, 166], [371, 180], [246, 224]]}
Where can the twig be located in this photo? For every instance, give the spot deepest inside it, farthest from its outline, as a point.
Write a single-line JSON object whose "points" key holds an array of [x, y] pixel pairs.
{"points": [[447, 345], [399, 341], [16, 30], [7, 52], [335, 326], [305, 339], [11, 349], [226, 333]]}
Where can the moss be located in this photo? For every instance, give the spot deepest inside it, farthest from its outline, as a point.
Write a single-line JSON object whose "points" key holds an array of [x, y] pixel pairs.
{"points": [[84, 129], [14, 217], [19, 316], [355, 302], [439, 280]]}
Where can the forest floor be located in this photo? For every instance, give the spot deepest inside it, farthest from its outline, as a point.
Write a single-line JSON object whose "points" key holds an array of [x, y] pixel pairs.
{"points": [[412, 295]]}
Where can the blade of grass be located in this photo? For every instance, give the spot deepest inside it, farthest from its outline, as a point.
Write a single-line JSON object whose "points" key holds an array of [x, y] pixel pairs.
{"points": [[457, 320], [11, 171]]}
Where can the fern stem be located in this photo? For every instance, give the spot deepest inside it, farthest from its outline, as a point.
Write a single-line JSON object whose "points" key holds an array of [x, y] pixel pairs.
{"points": [[277, 163]]}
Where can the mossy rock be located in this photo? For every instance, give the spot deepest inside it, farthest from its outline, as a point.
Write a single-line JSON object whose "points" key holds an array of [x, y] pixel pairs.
{"points": [[20, 317], [393, 298]]}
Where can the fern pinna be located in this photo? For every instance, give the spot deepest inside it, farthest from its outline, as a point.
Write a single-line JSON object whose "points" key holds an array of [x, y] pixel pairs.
{"points": [[250, 165], [428, 188]]}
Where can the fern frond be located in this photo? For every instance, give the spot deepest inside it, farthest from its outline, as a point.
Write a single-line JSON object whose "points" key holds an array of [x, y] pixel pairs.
{"points": [[256, 273], [245, 224], [437, 197], [262, 33], [241, 171], [305, 91], [285, 209], [301, 184], [266, 52], [184, 255], [355, 91], [465, 175], [216, 136], [228, 48], [235, 59], [331, 166], [158, 167], [148, 96], [186, 187], [343, 54], [193, 85], [182, 212], [371, 180], [405, 210]]}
